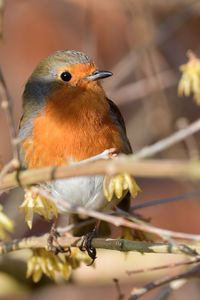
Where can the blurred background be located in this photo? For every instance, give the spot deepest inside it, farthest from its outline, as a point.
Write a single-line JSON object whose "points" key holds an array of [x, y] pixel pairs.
{"points": [[143, 42]]}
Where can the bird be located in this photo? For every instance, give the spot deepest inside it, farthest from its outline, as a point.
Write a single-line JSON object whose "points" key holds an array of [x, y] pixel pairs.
{"points": [[67, 118]]}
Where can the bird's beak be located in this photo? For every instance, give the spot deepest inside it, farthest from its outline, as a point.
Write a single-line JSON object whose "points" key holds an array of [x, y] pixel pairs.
{"points": [[96, 75]]}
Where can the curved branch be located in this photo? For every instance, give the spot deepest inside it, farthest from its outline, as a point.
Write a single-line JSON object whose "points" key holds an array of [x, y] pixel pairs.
{"points": [[120, 221], [99, 243]]}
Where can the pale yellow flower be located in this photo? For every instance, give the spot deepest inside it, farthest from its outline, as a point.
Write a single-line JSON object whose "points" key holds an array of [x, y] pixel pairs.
{"points": [[118, 184], [190, 80], [126, 233], [6, 224], [135, 235], [43, 261], [34, 202], [77, 257]]}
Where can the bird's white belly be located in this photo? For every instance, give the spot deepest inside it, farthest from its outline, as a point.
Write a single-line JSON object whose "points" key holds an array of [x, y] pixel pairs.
{"points": [[85, 191]]}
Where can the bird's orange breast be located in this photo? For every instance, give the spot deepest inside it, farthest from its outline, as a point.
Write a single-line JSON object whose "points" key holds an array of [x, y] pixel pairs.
{"points": [[71, 130]]}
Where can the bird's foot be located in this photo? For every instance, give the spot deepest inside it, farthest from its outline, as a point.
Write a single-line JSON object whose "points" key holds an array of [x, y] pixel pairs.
{"points": [[86, 244], [53, 236]]}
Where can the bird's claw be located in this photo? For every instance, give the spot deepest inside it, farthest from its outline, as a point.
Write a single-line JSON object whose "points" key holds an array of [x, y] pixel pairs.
{"points": [[86, 242], [117, 184], [53, 236]]}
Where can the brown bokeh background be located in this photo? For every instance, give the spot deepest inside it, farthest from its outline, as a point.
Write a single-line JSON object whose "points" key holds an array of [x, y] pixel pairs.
{"points": [[143, 43]]}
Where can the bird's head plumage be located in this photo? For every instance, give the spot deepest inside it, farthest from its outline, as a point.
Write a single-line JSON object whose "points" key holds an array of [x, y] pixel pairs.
{"points": [[61, 78], [66, 69]]}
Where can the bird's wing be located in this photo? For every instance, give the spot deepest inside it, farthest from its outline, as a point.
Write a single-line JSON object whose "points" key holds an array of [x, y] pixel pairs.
{"points": [[119, 121]]}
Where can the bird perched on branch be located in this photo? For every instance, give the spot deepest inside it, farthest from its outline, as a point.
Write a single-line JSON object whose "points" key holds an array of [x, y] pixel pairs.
{"points": [[67, 118]]}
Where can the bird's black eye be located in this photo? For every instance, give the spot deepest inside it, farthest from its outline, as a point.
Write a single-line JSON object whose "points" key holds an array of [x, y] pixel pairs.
{"points": [[66, 76]]}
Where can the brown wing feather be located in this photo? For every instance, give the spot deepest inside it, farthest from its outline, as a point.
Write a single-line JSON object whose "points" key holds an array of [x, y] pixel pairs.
{"points": [[119, 121]]}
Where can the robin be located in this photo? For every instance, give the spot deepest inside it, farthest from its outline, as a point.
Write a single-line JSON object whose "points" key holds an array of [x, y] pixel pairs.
{"points": [[68, 118]]}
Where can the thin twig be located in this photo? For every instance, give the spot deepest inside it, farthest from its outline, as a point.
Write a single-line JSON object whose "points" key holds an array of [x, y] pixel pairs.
{"points": [[166, 291], [169, 141], [2, 4], [166, 200], [190, 141], [119, 221], [139, 292], [193, 260], [7, 105], [120, 296], [12, 164], [168, 238]]}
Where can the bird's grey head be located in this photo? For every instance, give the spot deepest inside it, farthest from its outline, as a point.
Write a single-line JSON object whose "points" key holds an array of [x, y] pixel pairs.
{"points": [[45, 74]]}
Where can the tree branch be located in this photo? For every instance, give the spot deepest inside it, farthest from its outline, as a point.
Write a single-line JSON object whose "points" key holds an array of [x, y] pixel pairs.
{"points": [[169, 141], [151, 168], [6, 103], [139, 292], [192, 260], [99, 243], [124, 163], [166, 291], [120, 221]]}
